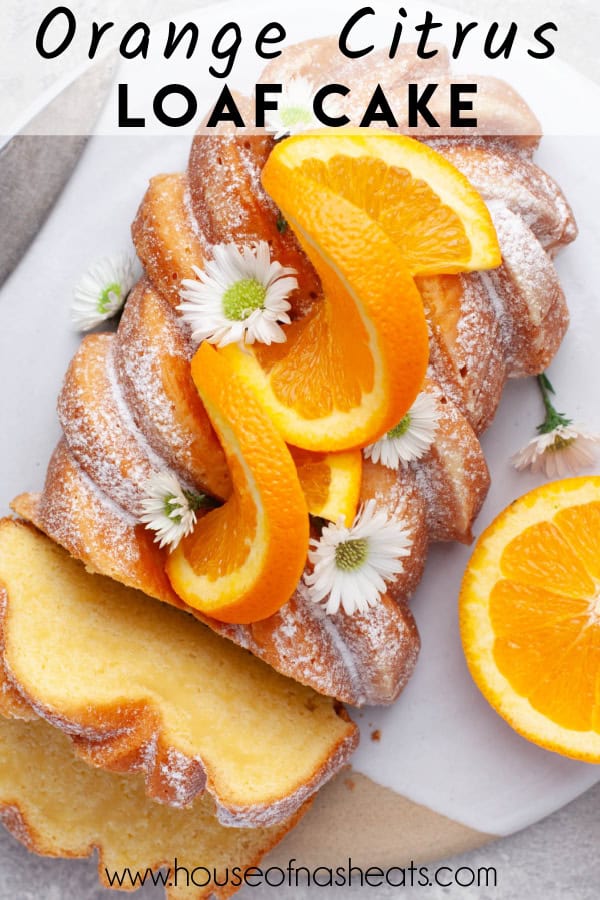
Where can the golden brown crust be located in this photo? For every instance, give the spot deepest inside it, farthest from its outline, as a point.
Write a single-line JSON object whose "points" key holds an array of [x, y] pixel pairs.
{"points": [[364, 659], [165, 237], [91, 413], [229, 204], [503, 176], [453, 476], [110, 813], [534, 313], [152, 354], [467, 353], [78, 516]]}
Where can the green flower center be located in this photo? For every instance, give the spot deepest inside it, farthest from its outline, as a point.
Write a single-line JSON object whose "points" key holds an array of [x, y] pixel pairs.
{"points": [[108, 296], [350, 555], [172, 504], [242, 298], [401, 428], [295, 115], [195, 501], [560, 443]]}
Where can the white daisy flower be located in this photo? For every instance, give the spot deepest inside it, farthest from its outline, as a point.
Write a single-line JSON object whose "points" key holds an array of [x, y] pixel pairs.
{"points": [[240, 296], [561, 448], [102, 291], [352, 565], [558, 453], [295, 111], [411, 438], [170, 510]]}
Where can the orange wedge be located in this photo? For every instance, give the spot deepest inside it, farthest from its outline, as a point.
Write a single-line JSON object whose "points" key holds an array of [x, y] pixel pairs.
{"points": [[530, 616], [428, 209], [370, 211], [243, 561], [330, 481], [350, 369]]}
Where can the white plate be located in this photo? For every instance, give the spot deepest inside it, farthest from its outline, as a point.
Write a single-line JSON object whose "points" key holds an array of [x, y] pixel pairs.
{"points": [[441, 745]]}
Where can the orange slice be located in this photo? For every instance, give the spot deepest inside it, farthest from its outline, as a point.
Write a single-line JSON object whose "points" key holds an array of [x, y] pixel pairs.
{"points": [[530, 616], [349, 370], [370, 211], [428, 209], [243, 561], [330, 481]]}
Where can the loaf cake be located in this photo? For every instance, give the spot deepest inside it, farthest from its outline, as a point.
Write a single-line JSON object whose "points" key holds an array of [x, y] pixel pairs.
{"points": [[141, 687], [128, 407]]}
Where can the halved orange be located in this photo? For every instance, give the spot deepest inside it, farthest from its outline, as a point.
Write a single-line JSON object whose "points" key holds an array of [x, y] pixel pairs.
{"points": [[370, 211], [243, 561], [530, 616], [330, 481]]}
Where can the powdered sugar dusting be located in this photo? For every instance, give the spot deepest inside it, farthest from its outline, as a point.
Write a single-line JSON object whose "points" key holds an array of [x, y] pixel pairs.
{"points": [[507, 178], [69, 498], [175, 772], [138, 361], [360, 659], [453, 477], [139, 357], [535, 314], [100, 431]]}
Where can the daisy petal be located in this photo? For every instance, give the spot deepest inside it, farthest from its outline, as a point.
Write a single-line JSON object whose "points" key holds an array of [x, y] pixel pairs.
{"points": [[103, 290], [563, 451], [351, 566], [167, 510], [411, 439], [239, 297]]}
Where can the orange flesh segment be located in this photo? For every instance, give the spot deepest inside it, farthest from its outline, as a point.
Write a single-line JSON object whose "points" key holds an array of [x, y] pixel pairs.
{"points": [[224, 547], [546, 617], [429, 235], [330, 481], [365, 345], [321, 343], [581, 527], [542, 557], [243, 561], [437, 219], [314, 475]]}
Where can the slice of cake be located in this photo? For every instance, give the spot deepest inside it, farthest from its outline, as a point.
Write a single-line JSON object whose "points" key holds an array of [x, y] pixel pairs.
{"points": [[56, 805], [143, 687]]}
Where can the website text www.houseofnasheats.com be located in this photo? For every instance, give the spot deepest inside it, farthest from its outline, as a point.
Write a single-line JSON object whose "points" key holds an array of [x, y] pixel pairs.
{"points": [[296, 875]]}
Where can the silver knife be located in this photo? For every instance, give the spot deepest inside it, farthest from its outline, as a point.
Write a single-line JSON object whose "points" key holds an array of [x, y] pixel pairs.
{"points": [[35, 164]]}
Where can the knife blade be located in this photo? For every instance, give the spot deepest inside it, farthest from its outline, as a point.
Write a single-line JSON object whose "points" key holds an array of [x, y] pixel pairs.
{"points": [[36, 164]]}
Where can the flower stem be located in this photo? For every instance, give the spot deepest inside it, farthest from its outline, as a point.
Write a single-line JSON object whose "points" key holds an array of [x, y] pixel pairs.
{"points": [[553, 418], [200, 501]]}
